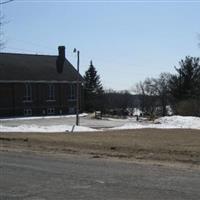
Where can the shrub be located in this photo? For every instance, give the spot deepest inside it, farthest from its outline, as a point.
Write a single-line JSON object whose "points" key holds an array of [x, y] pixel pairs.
{"points": [[189, 107]]}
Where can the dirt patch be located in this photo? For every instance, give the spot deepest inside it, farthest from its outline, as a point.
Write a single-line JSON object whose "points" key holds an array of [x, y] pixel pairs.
{"points": [[173, 145]]}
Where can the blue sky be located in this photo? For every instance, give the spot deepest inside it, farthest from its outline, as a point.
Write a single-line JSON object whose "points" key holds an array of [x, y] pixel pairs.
{"points": [[127, 40]]}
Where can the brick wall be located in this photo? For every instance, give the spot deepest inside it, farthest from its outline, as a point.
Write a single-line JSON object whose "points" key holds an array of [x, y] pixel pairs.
{"points": [[14, 103]]}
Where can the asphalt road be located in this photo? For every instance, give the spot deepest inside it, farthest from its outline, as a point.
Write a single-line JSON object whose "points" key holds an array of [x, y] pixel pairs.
{"points": [[36, 177]]}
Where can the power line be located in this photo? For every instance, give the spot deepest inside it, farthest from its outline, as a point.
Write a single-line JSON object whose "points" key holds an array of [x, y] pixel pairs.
{"points": [[31, 47], [25, 51], [33, 44], [110, 1], [5, 2]]}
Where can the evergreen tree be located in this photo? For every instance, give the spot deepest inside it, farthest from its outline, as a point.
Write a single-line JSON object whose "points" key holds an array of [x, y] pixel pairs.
{"points": [[186, 83], [185, 87], [93, 89]]}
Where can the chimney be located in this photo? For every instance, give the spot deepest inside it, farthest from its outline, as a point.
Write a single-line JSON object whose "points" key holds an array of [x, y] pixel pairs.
{"points": [[61, 52], [60, 59]]}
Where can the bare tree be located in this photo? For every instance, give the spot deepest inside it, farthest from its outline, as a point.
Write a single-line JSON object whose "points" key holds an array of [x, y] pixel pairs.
{"points": [[140, 90], [1, 32], [2, 43], [154, 94], [147, 97], [160, 88]]}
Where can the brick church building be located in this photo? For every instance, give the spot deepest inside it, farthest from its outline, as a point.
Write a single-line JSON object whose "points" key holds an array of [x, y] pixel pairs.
{"points": [[38, 85]]}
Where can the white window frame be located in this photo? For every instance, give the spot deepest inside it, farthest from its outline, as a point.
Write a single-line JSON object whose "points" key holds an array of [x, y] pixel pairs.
{"points": [[72, 110], [27, 112], [28, 93], [72, 92], [51, 111], [51, 92]]}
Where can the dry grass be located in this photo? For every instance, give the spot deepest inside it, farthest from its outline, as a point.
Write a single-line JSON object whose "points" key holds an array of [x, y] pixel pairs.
{"points": [[174, 145]]}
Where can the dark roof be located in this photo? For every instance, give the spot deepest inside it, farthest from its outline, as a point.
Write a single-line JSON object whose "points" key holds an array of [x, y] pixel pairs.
{"points": [[22, 67]]}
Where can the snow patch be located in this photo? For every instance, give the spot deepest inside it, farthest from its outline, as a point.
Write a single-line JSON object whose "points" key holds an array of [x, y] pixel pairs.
{"points": [[170, 122], [44, 117], [46, 129], [165, 123], [180, 122]]}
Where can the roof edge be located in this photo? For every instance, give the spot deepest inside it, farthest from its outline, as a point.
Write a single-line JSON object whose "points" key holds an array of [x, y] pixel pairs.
{"points": [[27, 54]]}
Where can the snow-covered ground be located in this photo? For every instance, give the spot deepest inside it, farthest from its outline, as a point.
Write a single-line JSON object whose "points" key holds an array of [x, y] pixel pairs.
{"points": [[166, 123], [42, 117], [65, 124], [46, 129]]}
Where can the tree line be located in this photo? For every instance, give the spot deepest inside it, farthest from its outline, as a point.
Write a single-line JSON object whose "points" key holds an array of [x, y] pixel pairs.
{"points": [[180, 91], [177, 93]]}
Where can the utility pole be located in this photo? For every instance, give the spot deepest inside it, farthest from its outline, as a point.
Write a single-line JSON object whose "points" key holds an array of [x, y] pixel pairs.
{"points": [[77, 88]]}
